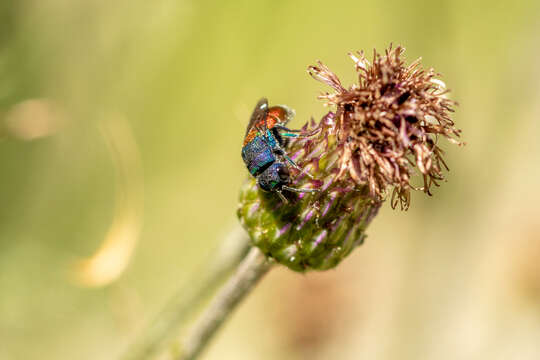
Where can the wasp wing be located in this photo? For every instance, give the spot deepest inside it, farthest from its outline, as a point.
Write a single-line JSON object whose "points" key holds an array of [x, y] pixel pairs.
{"points": [[259, 113]]}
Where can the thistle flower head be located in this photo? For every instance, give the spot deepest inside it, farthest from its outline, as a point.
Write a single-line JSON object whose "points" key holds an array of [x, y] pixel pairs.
{"points": [[379, 132], [388, 124]]}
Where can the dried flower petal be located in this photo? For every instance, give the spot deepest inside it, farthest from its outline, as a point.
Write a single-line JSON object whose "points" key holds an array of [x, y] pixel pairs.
{"points": [[388, 124]]}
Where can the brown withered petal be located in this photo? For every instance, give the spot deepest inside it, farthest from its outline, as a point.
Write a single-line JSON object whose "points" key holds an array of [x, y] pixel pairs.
{"points": [[389, 123]]}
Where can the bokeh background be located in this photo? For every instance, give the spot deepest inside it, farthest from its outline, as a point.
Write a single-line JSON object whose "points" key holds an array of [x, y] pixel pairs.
{"points": [[121, 124]]}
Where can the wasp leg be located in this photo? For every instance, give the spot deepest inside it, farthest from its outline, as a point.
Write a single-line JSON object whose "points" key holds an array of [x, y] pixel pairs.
{"points": [[291, 135], [284, 128], [293, 164], [294, 133], [283, 198], [299, 190]]}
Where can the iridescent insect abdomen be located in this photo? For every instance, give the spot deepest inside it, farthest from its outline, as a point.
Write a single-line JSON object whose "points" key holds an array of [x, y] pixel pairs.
{"points": [[257, 155]]}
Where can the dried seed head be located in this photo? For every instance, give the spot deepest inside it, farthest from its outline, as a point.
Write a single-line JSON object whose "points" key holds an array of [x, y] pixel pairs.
{"points": [[381, 129], [389, 123]]}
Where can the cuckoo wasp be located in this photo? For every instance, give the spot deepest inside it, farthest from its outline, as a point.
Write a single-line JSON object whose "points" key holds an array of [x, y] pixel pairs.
{"points": [[263, 148]]}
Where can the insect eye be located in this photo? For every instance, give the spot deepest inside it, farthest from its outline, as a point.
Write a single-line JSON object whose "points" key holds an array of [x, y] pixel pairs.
{"points": [[283, 173]]}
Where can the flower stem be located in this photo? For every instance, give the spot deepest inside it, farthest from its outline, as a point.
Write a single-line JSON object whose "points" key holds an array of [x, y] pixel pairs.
{"points": [[176, 312], [249, 272]]}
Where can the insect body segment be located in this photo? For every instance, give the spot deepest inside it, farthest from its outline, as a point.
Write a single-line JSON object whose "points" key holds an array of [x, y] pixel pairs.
{"points": [[258, 155], [263, 151]]}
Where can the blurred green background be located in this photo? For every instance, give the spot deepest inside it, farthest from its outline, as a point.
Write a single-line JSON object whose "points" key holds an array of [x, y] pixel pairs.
{"points": [[121, 124]]}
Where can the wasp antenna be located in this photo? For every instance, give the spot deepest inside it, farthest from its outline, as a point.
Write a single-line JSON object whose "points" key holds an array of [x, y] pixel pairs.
{"points": [[303, 171], [308, 174], [300, 190]]}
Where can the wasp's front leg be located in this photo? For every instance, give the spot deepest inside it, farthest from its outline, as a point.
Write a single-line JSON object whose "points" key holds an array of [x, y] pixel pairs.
{"points": [[293, 133]]}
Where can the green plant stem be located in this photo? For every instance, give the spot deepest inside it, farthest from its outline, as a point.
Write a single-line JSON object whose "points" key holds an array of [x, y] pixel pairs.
{"points": [[232, 251], [249, 272]]}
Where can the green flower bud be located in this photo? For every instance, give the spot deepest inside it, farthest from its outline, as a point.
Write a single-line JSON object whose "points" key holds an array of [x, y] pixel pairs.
{"points": [[383, 130]]}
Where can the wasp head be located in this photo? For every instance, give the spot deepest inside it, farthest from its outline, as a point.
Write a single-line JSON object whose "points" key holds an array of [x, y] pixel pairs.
{"points": [[274, 177]]}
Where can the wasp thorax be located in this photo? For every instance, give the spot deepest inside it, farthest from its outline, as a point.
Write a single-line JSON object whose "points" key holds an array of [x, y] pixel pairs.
{"points": [[380, 132]]}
